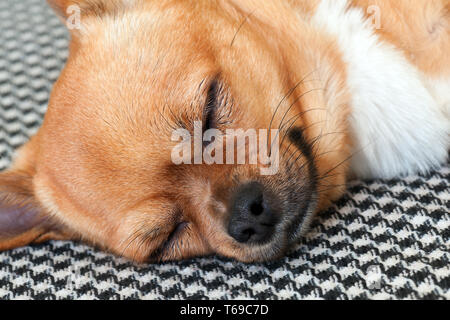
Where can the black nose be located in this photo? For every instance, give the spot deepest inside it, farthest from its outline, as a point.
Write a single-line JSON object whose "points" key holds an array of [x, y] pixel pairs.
{"points": [[253, 218]]}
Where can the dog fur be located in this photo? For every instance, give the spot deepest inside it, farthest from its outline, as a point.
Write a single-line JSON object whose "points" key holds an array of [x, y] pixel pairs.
{"points": [[364, 101]]}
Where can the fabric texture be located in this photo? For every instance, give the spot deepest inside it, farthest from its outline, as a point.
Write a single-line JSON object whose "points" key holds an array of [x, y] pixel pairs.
{"points": [[382, 240]]}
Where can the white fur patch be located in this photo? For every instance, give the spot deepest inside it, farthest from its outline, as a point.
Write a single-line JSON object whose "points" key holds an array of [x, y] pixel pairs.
{"points": [[400, 121]]}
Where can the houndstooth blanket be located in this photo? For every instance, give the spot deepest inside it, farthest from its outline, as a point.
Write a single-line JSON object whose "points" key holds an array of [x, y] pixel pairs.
{"points": [[383, 240]]}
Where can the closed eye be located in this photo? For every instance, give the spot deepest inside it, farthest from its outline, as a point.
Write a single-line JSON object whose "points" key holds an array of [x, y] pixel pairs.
{"points": [[211, 106], [175, 233], [169, 243]]}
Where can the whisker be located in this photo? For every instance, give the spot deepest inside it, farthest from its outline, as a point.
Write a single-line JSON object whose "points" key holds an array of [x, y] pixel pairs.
{"points": [[287, 96], [347, 159], [136, 235], [296, 100], [291, 164], [303, 129], [240, 27], [340, 164], [316, 140], [293, 120], [172, 126], [331, 187], [147, 237]]}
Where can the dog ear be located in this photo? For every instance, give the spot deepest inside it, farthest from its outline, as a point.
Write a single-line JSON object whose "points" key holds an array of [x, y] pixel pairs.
{"points": [[22, 218]]}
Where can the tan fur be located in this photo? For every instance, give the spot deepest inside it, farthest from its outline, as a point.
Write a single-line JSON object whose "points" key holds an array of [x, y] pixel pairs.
{"points": [[100, 166], [420, 28]]}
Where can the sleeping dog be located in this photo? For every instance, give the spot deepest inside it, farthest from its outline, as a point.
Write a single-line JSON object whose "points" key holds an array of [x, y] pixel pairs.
{"points": [[340, 88]]}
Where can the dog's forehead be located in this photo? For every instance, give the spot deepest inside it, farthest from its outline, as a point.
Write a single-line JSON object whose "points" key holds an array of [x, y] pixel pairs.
{"points": [[129, 71]]}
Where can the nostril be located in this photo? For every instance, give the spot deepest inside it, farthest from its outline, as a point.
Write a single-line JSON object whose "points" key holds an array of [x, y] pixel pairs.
{"points": [[241, 234], [252, 214], [245, 233], [256, 208], [249, 233]]}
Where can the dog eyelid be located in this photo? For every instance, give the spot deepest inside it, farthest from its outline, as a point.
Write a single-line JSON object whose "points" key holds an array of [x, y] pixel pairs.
{"points": [[171, 239], [211, 106]]}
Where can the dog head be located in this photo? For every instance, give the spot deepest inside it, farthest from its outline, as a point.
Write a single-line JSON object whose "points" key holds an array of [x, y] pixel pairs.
{"points": [[144, 75]]}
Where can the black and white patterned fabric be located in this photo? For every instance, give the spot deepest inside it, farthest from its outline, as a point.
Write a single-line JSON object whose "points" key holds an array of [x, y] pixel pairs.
{"points": [[383, 240]]}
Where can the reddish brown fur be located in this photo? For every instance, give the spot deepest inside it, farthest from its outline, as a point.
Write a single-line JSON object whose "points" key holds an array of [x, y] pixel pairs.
{"points": [[100, 166]]}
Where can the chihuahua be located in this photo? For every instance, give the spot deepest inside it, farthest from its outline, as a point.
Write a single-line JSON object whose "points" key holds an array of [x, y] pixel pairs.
{"points": [[342, 88]]}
